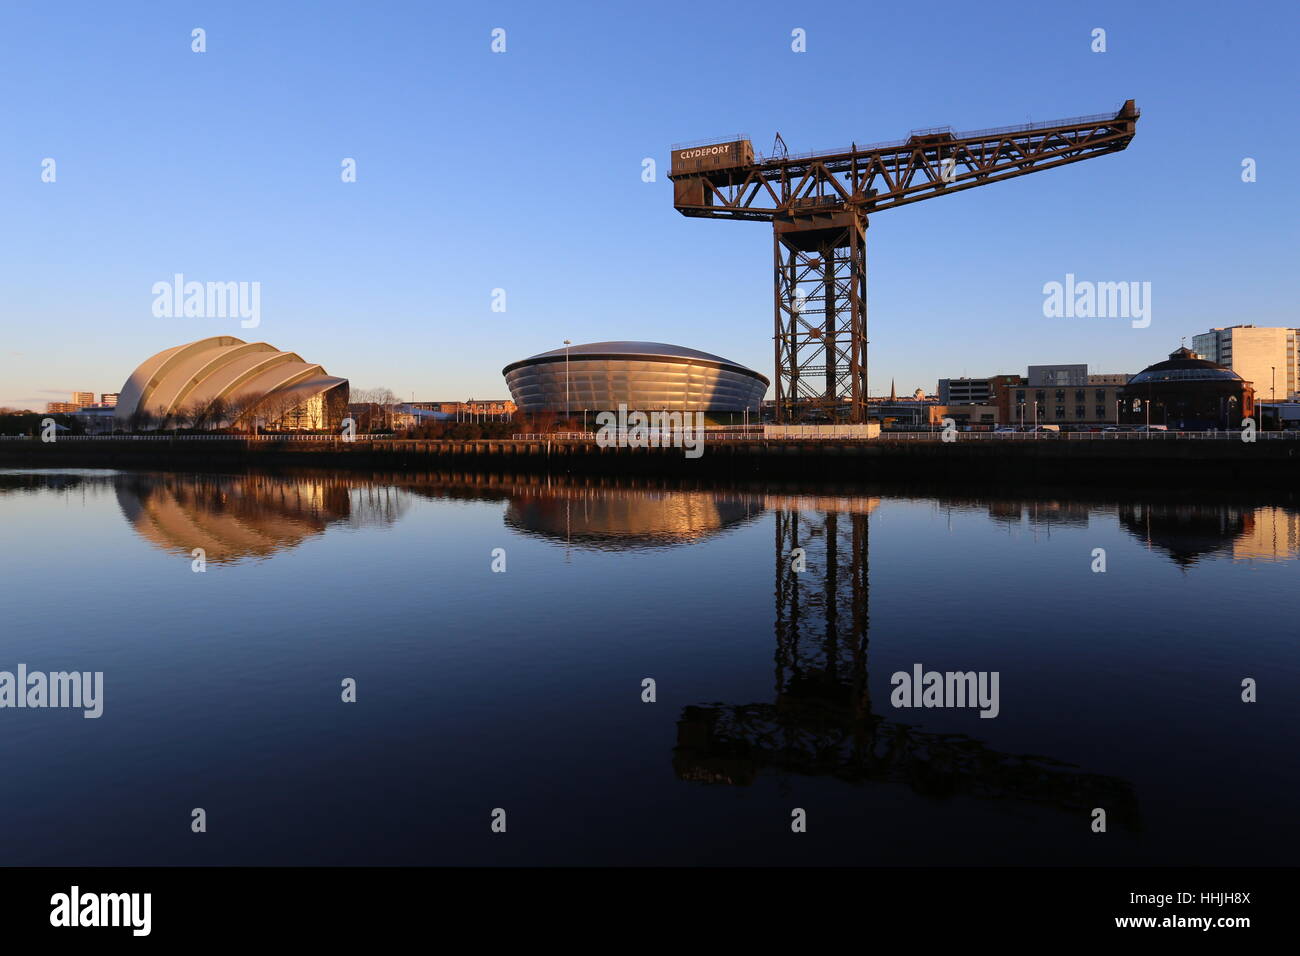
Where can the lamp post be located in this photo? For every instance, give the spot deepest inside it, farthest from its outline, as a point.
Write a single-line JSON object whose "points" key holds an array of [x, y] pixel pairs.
{"points": [[1272, 391], [567, 343]]}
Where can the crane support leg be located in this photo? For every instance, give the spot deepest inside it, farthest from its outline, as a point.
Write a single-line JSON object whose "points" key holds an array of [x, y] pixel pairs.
{"points": [[820, 267]]}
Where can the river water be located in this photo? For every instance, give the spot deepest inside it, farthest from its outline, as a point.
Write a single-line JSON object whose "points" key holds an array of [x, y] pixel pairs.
{"points": [[502, 634]]}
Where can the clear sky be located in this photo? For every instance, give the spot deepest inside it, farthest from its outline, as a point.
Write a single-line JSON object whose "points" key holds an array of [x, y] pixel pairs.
{"points": [[522, 170]]}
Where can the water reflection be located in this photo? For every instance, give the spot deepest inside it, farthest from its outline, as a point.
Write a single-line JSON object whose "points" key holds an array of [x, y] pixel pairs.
{"points": [[1188, 533], [783, 694], [250, 516], [234, 518], [1184, 532], [620, 519], [821, 721]]}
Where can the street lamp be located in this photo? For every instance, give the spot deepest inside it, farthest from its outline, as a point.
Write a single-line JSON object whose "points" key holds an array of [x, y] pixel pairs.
{"points": [[567, 343], [1272, 392]]}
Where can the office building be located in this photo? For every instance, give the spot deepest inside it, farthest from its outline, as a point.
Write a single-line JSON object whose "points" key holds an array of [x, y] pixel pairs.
{"points": [[1264, 356], [965, 391], [1059, 395], [1057, 376]]}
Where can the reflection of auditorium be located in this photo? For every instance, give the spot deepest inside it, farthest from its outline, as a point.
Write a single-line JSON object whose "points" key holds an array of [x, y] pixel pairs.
{"points": [[236, 517], [617, 519], [1187, 533], [821, 720]]}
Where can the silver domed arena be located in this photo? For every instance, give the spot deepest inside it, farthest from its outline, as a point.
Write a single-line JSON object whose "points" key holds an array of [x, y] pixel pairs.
{"points": [[644, 376]]}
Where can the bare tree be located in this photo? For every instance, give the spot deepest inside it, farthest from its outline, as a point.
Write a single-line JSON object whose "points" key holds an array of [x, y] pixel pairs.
{"points": [[186, 415], [235, 408], [283, 410], [373, 407], [215, 415], [387, 401]]}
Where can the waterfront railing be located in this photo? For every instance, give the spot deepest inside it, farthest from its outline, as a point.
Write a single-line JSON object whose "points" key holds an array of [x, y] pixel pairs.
{"points": [[710, 436]]}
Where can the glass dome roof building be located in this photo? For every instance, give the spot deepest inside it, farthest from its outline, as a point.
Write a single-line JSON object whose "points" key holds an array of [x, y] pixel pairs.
{"points": [[1184, 365], [1187, 391], [645, 376]]}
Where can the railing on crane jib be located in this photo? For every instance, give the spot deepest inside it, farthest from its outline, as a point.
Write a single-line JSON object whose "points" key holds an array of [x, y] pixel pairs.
{"points": [[1096, 118]]}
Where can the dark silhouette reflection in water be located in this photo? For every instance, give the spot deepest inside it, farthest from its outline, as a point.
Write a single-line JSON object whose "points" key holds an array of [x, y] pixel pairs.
{"points": [[822, 722], [499, 689], [235, 518], [610, 519], [1187, 533]]}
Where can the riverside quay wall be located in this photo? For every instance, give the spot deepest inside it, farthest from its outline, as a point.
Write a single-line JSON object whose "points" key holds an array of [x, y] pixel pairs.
{"points": [[1169, 458]]}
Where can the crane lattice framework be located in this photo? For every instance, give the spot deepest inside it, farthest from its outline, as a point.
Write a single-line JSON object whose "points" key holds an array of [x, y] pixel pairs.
{"points": [[818, 205]]}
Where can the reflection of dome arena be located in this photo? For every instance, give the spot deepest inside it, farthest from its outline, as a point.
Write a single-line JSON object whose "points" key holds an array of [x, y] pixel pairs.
{"points": [[625, 520], [228, 379], [641, 375]]}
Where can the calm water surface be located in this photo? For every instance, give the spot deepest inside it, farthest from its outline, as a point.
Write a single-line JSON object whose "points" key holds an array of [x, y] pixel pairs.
{"points": [[522, 690]]}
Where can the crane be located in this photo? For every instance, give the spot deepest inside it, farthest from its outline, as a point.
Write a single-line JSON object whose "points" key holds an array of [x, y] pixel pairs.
{"points": [[818, 204]]}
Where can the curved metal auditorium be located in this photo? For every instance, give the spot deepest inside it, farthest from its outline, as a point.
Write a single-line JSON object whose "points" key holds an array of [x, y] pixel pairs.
{"points": [[645, 376], [240, 376]]}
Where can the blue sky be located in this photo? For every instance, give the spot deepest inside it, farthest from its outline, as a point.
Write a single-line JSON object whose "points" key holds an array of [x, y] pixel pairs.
{"points": [[522, 171]]}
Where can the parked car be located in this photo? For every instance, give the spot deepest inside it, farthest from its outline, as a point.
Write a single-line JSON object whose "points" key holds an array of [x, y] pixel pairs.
{"points": [[1004, 430], [1152, 428]]}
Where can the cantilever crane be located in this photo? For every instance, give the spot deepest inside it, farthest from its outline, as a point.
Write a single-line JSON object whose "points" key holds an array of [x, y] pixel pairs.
{"points": [[818, 205]]}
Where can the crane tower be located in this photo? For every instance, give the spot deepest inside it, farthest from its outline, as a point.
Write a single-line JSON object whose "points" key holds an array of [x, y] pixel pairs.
{"points": [[818, 205]]}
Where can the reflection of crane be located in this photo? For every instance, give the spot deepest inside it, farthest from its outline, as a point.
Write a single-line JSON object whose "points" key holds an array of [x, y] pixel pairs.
{"points": [[821, 722], [818, 205]]}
